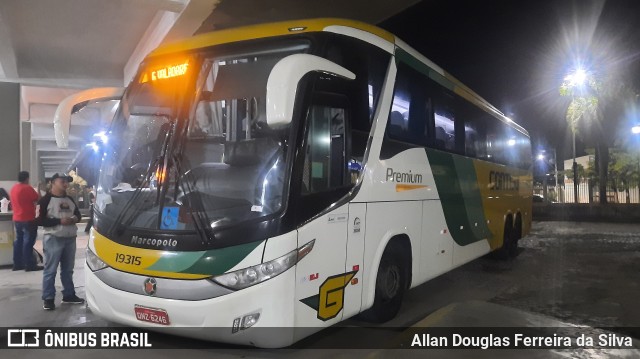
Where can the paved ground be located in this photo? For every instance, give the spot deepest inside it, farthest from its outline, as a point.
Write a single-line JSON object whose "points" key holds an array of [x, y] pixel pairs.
{"points": [[20, 295], [585, 273], [580, 273]]}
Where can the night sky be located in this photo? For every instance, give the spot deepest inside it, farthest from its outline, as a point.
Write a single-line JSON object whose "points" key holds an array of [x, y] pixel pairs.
{"points": [[515, 53]]}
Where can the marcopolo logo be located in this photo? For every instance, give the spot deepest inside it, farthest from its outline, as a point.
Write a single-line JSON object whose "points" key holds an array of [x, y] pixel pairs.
{"points": [[154, 241], [405, 181]]}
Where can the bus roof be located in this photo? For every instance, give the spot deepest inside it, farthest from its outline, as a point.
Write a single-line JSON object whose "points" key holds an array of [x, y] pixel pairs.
{"points": [[267, 30], [315, 25]]}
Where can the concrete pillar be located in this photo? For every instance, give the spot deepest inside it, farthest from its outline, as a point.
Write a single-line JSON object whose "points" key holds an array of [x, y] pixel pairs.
{"points": [[25, 146], [34, 169], [10, 134]]}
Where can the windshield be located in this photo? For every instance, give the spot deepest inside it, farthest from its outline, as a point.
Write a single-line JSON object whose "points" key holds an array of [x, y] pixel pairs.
{"points": [[193, 151]]}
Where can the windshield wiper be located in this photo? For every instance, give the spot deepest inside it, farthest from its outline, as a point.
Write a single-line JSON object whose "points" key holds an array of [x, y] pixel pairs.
{"points": [[133, 198], [199, 216], [124, 216], [162, 173]]}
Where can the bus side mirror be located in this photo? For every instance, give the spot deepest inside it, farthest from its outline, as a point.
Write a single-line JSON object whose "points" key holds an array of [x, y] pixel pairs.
{"points": [[62, 117], [283, 83]]}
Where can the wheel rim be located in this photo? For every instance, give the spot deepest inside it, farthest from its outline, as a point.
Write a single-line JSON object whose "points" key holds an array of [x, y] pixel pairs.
{"points": [[390, 284]]}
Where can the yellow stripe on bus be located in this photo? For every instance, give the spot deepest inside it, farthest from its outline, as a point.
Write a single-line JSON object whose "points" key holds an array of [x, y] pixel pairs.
{"points": [[498, 203], [266, 30], [107, 250]]}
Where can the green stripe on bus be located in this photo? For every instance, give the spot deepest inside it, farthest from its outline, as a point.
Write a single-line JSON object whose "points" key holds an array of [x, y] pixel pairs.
{"points": [[419, 66], [460, 199], [469, 186], [176, 262], [211, 262]]}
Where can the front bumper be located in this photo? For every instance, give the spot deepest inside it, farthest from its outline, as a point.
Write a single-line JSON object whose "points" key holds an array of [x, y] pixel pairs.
{"points": [[210, 319]]}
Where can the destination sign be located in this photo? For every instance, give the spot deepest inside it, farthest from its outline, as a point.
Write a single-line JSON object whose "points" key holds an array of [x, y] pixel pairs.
{"points": [[166, 72]]}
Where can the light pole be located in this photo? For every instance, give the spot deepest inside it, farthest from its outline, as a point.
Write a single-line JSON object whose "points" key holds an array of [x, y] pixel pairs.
{"points": [[544, 171], [575, 171], [636, 131], [541, 157], [575, 79], [555, 174]]}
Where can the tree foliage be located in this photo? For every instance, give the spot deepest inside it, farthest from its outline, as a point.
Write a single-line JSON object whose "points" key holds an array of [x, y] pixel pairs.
{"points": [[598, 103], [624, 166]]}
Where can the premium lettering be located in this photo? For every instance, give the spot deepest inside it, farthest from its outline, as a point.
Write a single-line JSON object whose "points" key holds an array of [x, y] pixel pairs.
{"points": [[403, 177]]}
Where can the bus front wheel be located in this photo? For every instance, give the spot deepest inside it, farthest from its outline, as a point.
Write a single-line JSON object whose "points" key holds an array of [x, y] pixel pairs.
{"points": [[390, 287]]}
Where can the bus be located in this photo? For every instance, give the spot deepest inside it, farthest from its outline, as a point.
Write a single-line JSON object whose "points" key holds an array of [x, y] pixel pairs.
{"points": [[292, 175]]}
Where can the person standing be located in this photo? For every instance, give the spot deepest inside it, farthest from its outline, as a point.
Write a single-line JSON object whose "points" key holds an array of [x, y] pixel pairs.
{"points": [[24, 199], [59, 215], [92, 203]]}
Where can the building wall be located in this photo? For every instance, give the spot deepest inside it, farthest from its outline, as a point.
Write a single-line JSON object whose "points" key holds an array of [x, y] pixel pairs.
{"points": [[582, 160]]}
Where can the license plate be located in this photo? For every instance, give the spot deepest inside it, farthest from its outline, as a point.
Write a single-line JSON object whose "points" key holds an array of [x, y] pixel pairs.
{"points": [[152, 315]]}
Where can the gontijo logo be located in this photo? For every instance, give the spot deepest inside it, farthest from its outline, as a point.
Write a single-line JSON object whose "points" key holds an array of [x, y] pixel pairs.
{"points": [[405, 181], [500, 181], [330, 299], [150, 286]]}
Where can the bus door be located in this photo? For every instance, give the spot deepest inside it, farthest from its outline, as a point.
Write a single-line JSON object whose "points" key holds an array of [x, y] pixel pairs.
{"points": [[355, 258], [324, 183]]}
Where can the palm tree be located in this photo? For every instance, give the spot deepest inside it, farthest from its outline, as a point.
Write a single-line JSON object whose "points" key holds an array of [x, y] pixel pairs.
{"points": [[596, 101], [583, 106]]}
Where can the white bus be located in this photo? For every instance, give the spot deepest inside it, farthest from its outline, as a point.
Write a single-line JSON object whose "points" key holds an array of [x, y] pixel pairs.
{"points": [[292, 175]]}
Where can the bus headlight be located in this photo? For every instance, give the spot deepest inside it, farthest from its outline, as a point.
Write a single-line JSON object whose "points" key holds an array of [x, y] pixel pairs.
{"points": [[94, 262], [247, 277]]}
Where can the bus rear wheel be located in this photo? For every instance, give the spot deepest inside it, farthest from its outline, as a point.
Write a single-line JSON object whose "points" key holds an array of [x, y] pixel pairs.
{"points": [[390, 287], [514, 249], [509, 248]]}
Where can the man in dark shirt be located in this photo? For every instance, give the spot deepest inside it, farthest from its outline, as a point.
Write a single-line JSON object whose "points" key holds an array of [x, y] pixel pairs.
{"points": [[92, 203], [59, 215], [24, 198]]}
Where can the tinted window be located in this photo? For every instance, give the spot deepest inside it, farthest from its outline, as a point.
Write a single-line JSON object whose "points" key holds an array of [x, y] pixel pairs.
{"points": [[490, 139], [508, 146], [476, 122], [445, 119], [369, 63], [425, 113], [409, 119]]}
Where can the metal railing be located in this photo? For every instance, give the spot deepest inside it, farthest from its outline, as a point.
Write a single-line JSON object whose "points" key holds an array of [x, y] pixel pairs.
{"points": [[618, 191]]}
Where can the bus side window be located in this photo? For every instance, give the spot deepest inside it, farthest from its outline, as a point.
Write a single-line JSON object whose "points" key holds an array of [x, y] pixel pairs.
{"points": [[408, 125], [475, 132], [325, 164], [445, 128], [369, 63], [503, 143]]}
